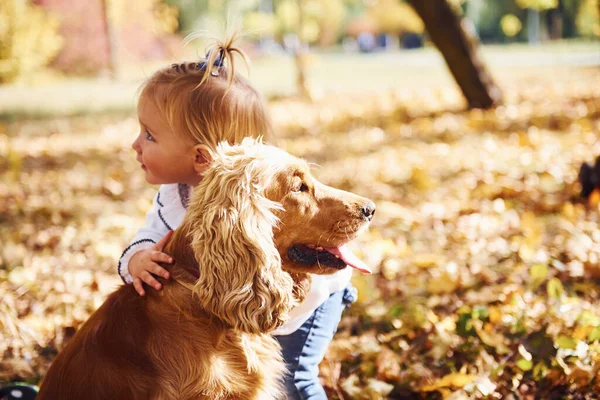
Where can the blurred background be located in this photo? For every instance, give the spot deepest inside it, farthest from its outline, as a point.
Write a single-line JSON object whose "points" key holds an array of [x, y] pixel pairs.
{"points": [[103, 49], [467, 122]]}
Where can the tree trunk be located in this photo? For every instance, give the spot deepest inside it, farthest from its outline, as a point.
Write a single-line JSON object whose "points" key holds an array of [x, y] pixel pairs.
{"points": [[533, 26], [299, 60], [458, 44], [300, 55], [111, 40]]}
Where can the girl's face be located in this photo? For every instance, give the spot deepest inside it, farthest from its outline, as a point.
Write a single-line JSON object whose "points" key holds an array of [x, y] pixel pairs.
{"points": [[164, 156]]}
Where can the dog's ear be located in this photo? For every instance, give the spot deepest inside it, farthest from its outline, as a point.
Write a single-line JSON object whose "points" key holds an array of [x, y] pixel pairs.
{"points": [[231, 226]]}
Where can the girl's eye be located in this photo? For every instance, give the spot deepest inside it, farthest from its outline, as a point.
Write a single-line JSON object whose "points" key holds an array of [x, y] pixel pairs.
{"points": [[149, 136]]}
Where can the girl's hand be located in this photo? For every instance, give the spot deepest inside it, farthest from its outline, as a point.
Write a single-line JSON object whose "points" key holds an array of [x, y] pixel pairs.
{"points": [[144, 263]]}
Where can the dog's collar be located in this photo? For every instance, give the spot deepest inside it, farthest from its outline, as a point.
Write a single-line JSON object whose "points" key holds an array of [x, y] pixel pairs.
{"points": [[186, 277], [185, 284]]}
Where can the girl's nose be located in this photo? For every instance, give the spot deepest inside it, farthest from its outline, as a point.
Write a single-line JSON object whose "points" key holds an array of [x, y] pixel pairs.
{"points": [[136, 144]]}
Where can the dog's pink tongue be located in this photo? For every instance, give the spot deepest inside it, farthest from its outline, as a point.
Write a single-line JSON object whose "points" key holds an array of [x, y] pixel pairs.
{"points": [[347, 256]]}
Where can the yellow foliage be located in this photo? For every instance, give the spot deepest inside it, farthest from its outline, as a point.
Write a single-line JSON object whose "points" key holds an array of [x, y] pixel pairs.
{"points": [[310, 31], [511, 25], [332, 16], [454, 380], [588, 19], [288, 15], [259, 24], [539, 5], [393, 17], [164, 16], [29, 39], [318, 16]]}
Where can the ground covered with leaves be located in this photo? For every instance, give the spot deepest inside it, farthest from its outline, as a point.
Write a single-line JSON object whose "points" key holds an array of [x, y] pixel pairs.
{"points": [[486, 260]]}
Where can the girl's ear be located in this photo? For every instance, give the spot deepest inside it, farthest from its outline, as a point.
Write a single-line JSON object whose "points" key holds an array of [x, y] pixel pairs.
{"points": [[202, 158]]}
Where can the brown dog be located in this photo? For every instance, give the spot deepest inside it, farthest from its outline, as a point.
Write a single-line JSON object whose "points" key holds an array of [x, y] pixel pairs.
{"points": [[255, 227]]}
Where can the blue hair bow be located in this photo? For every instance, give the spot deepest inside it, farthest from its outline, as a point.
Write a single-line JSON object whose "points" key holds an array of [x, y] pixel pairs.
{"points": [[219, 61]]}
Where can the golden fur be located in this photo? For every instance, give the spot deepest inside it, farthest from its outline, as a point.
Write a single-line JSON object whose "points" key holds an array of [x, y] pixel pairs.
{"points": [[213, 342]]}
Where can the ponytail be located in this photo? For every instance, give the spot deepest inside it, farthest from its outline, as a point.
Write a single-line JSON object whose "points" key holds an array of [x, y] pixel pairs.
{"points": [[219, 60], [221, 56], [206, 101]]}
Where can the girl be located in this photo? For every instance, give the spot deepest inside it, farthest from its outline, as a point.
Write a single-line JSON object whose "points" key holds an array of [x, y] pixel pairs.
{"points": [[184, 111]]}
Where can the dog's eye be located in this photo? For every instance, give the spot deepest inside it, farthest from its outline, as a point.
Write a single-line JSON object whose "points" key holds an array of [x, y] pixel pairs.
{"points": [[301, 188]]}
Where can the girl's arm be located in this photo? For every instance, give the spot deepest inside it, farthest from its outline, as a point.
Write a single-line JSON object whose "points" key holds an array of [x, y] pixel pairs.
{"points": [[146, 237]]}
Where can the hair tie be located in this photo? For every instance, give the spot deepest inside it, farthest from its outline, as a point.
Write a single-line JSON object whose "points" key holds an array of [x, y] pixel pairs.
{"points": [[219, 62]]}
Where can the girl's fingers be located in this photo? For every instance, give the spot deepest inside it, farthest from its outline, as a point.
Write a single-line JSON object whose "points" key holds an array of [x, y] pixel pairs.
{"points": [[137, 284], [158, 256], [160, 271], [149, 279], [161, 243]]}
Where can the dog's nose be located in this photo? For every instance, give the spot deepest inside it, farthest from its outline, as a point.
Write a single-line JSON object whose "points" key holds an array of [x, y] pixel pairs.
{"points": [[368, 210]]}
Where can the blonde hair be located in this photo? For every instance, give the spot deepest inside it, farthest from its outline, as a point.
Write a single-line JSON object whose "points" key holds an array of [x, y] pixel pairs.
{"points": [[207, 103]]}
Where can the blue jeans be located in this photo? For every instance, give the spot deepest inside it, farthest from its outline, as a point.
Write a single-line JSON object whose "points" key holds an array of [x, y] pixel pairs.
{"points": [[304, 349]]}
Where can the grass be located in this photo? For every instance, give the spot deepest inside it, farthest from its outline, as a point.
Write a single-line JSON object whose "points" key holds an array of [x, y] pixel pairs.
{"points": [[49, 95]]}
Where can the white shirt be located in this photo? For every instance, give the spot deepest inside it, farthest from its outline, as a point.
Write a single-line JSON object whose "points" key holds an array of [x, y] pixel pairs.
{"points": [[168, 209]]}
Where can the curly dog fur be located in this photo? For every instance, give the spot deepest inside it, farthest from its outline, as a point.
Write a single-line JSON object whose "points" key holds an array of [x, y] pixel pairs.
{"points": [[213, 342]]}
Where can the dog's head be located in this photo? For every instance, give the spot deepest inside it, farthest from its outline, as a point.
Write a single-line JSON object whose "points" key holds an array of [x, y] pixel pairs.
{"points": [[257, 215]]}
